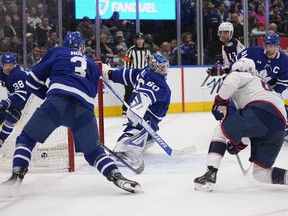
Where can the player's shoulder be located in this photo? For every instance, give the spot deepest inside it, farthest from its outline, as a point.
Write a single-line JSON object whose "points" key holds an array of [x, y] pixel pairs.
{"points": [[282, 55]]}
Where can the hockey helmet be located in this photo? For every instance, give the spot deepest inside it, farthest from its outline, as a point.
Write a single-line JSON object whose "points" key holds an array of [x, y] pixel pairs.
{"points": [[272, 39], [244, 65], [74, 39], [226, 26], [8, 57], [139, 35], [159, 64]]}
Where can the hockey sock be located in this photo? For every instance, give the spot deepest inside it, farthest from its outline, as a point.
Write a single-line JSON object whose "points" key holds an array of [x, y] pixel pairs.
{"points": [[6, 130], [23, 150], [101, 161], [215, 153]]}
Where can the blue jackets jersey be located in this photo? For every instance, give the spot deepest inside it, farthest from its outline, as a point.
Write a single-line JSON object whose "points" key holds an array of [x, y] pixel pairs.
{"points": [[16, 87], [275, 71], [70, 73], [149, 83]]}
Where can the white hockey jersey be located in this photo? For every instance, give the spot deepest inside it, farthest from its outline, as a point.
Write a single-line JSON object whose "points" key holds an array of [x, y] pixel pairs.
{"points": [[244, 88]]}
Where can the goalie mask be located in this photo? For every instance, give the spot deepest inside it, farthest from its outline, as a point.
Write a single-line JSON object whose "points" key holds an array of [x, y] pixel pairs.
{"points": [[225, 31], [159, 64], [244, 65]]}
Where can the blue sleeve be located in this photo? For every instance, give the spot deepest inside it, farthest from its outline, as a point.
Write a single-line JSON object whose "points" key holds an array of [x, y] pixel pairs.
{"points": [[126, 76], [38, 76]]}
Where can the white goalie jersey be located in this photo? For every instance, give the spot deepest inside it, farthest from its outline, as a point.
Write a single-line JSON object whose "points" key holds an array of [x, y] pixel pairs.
{"points": [[244, 88]]}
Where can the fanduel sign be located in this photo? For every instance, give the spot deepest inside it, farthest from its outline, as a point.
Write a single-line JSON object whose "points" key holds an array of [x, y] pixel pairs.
{"points": [[148, 9]]}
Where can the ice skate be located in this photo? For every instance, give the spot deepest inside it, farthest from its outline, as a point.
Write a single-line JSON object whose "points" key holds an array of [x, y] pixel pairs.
{"points": [[123, 183], [12, 185], [207, 181]]}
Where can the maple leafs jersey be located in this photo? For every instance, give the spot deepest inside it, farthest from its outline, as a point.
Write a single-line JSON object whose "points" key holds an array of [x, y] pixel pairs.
{"points": [[16, 86], [151, 84], [273, 71], [246, 89], [70, 73]]}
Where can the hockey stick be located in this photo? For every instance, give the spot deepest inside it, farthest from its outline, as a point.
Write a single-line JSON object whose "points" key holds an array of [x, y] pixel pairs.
{"points": [[135, 170], [149, 129], [244, 171], [205, 80]]}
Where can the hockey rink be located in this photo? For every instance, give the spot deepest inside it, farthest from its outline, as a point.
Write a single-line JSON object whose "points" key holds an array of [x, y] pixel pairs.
{"points": [[167, 182]]}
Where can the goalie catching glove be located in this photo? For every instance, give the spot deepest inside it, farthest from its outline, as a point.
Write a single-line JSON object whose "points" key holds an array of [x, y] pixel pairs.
{"points": [[220, 108], [235, 148]]}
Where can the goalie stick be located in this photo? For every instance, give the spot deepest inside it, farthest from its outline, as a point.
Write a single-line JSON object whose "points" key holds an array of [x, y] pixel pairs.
{"points": [[151, 131], [135, 170], [244, 171]]}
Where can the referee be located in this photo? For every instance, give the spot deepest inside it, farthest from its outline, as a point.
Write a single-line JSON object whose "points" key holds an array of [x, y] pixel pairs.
{"points": [[137, 56]]}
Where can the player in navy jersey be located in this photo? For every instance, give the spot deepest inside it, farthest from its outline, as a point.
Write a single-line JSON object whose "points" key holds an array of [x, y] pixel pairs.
{"points": [[73, 80], [13, 78], [149, 100], [271, 63], [260, 115], [230, 48]]}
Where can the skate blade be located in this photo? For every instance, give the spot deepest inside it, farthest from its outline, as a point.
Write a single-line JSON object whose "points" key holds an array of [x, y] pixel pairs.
{"points": [[132, 189], [204, 187]]}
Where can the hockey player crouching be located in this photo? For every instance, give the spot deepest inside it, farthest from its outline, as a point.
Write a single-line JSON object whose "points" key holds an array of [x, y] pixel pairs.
{"points": [[13, 78], [149, 101], [260, 115]]}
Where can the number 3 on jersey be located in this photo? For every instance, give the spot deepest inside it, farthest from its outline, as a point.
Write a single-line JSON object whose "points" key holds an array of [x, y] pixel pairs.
{"points": [[80, 70]]}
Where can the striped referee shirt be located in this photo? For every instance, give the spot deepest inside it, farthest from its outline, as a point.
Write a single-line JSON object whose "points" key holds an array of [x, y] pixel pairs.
{"points": [[137, 57]]}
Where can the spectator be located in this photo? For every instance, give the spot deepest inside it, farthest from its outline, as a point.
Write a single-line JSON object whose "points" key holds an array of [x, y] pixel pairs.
{"points": [[118, 60], [149, 43], [34, 57], [259, 14], [188, 50], [89, 52], [29, 42], [53, 40], [32, 19], [238, 27], [42, 32], [4, 45], [16, 19], [277, 17], [3, 11], [16, 48], [173, 44], [88, 32], [43, 51], [41, 13], [273, 28], [8, 29], [120, 41], [166, 50], [114, 24], [105, 47]]}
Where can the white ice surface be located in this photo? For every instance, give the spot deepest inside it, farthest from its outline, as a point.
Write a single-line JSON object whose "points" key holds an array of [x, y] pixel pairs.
{"points": [[167, 182]]}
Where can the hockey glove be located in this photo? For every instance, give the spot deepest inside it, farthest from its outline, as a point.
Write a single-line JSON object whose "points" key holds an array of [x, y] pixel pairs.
{"points": [[4, 105], [220, 108], [216, 70], [107, 71], [235, 148]]}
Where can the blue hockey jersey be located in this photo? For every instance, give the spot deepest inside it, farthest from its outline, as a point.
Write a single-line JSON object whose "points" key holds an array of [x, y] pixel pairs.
{"points": [[274, 71], [149, 83], [16, 87], [70, 73]]}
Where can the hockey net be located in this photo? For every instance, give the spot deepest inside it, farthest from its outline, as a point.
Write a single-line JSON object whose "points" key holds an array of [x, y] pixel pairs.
{"points": [[56, 154]]}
